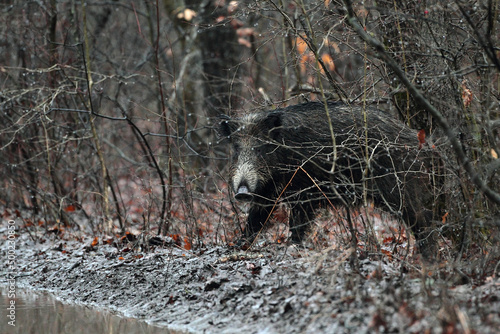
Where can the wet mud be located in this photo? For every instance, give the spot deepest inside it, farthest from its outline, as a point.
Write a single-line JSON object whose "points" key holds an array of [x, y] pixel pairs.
{"points": [[271, 289]]}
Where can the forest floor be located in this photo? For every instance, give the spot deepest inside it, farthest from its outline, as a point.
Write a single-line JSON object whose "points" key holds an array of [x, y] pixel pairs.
{"points": [[274, 288]]}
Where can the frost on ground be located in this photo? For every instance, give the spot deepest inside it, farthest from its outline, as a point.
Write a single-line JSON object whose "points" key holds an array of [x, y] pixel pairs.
{"points": [[271, 289]]}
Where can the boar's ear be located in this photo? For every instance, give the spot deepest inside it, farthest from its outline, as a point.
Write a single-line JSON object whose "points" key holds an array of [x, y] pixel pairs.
{"points": [[273, 123], [225, 126]]}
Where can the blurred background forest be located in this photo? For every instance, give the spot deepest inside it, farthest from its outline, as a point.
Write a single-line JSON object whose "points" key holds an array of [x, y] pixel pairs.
{"points": [[107, 107]]}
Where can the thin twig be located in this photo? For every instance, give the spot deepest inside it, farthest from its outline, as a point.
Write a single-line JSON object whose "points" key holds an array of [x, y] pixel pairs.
{"points": [[382, 54]]}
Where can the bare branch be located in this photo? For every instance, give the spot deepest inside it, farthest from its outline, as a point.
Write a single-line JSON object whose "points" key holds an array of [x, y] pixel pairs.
{"points": [[420, 98]]}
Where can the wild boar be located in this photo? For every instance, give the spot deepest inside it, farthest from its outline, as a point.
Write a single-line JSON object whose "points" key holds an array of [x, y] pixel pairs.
{"points": [[296, 155]]}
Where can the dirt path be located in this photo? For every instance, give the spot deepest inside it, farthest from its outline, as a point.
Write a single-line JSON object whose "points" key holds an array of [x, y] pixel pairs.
{"points": [[276, 289]]}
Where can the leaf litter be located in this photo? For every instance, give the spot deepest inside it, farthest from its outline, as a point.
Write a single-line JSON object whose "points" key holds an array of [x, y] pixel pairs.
{"points": [[272, 288]]}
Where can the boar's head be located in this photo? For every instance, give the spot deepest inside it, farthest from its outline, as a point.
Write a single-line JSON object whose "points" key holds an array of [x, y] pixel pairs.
{"points": [[256, 149]]}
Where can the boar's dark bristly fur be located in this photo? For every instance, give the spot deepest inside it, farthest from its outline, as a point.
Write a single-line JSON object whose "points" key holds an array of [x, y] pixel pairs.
{"points": [[375, 158]]}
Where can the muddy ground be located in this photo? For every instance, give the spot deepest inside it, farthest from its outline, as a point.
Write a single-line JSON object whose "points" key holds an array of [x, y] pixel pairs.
{"points": [[271, 289]]}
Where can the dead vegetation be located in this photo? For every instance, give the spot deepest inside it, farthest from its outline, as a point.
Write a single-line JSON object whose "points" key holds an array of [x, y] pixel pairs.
{"points": [[106, 115]]}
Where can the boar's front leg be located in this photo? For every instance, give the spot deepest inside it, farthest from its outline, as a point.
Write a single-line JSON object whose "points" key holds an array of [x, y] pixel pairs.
{"points": [[257, 217], [301, 215]]}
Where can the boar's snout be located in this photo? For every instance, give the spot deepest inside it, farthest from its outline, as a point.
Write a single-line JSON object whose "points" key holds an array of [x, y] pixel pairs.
{"points": [[243, 194]]}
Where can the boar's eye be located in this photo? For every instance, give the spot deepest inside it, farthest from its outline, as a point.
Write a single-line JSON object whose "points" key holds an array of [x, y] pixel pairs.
{"points": [[236, 147]]}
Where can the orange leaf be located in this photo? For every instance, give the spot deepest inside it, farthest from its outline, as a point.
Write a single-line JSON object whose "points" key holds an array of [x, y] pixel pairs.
{"points": [[466, 94], [70, 208], [187, 244], [220, 19], [387, 253], [304, 59], [245, 32], [388, 240], [443, 219], [421, 138], [121, 258], [95, 242], [176, 239], [301, 45], [244, 42], [187, 14], [232, 6], [334, 45], [236, 24], [328, 61]]}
